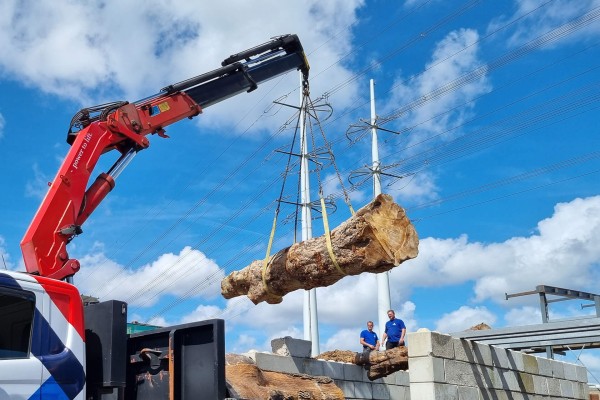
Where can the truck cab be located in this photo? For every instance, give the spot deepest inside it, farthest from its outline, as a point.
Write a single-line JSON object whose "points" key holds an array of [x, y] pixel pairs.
{"points": [[42, 349]]}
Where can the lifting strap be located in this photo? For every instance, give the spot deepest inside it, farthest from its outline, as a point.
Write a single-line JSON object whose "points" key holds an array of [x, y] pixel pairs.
{"points": [[268, 255], [328, 235]]}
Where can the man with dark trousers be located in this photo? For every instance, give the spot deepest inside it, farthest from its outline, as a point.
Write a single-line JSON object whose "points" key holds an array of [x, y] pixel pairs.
{"points": [[369, 339], [394, 331]]}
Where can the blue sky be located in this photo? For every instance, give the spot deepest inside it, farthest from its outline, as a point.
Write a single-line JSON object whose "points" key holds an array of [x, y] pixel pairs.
{"points": [[495, 154]]}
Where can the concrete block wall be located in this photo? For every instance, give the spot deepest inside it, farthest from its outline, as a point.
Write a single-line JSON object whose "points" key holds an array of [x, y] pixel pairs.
{"points": [[442, 367], [352, 379]]}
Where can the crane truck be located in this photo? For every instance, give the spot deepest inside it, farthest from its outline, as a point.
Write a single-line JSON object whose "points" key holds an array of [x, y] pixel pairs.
{"points": [[54, 345]]}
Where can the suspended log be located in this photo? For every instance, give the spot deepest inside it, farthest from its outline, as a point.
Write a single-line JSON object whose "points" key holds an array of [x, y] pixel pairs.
{"points": [[376, 239]]}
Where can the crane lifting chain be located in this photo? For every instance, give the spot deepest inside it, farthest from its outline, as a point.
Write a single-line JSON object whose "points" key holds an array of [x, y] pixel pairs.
{"points": [[307, 104]]}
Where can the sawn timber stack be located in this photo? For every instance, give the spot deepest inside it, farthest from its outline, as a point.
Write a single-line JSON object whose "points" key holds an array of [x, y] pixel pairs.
{"points": [[376, 239]]}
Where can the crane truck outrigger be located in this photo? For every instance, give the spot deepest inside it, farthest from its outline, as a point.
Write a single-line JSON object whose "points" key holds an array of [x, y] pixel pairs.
{"points": [[54, 347]]}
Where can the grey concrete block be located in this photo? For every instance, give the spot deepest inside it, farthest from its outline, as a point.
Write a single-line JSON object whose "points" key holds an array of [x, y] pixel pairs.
{"points": [[433, 391], [526, 383], [554, 387], [500, 357], [347, 387], [509, 379], [272, 362], [380, 391], [545, 366], [496, 382], [334, 370], [288, 346], [502, 395], [540, 385], [353, 372], [530, 364], [426, 369], [363, 390], [566, 389], [482, 354], [463, 350], [461, 373], [399, 392], [582, 374], [515, 360], [442, 345], [558, 369], [487, 376], [430, 344], [581, 391], [468, 393], [570, 371], [313, 367], [402, 378], [390, 379], [518, 396]]}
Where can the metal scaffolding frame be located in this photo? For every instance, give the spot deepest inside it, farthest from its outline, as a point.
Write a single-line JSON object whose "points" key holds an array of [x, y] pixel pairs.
{"points": [[550, 336]]}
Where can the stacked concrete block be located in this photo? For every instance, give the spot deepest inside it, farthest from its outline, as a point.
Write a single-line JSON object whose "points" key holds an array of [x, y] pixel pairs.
{"points": [[442, 367], [288, 346], [352, 379]]}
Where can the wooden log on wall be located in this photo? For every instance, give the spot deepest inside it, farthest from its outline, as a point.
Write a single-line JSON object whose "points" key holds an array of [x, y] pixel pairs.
{"points": [[380, 363], [376, 239]]}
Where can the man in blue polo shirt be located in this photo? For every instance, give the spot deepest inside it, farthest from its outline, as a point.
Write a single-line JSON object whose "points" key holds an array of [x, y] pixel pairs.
{"points": [[369, 339], [394, 331]]}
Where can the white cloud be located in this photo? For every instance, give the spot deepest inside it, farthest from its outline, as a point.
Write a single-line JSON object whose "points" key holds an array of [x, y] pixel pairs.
{"points": [[562, 253], [95, 51], [414, 188], [244, 343], [406, 313], [431, 93], [495, 269], [464, 318], [189, 274], [432, 103], [201, 313], [344, 339], [592, 362], [538, 19], [38, 187], [511, 266], [332, 186], [4, 256], [527, 315]]}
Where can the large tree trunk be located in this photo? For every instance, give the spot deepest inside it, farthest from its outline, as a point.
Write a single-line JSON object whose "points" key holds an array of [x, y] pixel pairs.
{"points": [[380, 363], [376, 239], [246, 381]]}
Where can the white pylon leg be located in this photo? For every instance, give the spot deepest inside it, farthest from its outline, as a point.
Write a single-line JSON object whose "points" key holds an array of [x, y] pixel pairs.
{"points": [[311, 323], [383, 281]]}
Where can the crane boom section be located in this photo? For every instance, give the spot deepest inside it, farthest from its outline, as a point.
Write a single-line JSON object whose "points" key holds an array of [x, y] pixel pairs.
{"points": [[124, 127]]}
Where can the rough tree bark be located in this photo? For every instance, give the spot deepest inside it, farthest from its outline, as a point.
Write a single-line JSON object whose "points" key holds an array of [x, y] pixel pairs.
{"points": [[246, 381], [380, 363], [376, 239]]}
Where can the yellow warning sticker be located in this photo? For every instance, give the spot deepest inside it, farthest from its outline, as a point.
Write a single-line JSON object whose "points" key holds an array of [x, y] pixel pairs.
{"points": [[164, 106]]}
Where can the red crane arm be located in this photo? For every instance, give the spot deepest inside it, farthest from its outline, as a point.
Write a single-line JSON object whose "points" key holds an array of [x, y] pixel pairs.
{"points": [[68, 204], [124, 127]]}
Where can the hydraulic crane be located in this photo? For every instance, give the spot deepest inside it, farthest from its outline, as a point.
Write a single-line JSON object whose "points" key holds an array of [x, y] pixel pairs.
{"points": [[51, 346], [124, 127]]}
